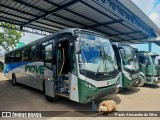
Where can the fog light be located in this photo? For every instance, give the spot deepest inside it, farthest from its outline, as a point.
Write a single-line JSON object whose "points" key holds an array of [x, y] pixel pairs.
{"points": [[90, 86], [86, 84]]}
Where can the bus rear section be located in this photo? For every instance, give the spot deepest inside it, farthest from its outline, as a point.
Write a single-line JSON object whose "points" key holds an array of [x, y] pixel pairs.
{"points": [[127, 64], [149, 67], [74, 63]]}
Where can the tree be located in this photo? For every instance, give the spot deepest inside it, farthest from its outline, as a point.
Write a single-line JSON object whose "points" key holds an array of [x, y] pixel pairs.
{"points": [[9, 37]]}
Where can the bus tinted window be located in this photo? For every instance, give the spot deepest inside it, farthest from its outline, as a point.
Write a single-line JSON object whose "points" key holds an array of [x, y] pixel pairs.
{"points": [[11, 57], [42, 52], [35, 53], [18, 56], [7, 58], [142, 58], [25, 54], [48, 56]]}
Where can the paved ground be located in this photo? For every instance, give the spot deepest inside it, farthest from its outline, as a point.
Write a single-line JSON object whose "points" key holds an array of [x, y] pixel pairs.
{"points": [[22, 98]]}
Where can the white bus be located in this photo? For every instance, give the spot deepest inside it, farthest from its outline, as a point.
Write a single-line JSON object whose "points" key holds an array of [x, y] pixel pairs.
{"points": [[74, 63]]}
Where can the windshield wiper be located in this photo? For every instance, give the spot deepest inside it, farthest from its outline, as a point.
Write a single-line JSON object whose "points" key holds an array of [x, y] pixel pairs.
{"points": [[103, 56]]}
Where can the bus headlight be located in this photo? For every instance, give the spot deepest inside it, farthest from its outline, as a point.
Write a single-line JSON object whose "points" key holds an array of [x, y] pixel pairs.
{"points": [[128, 76], [90, 86]]}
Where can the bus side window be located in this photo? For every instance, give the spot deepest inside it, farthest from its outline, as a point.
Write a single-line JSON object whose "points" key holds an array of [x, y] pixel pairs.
{"points": [[54, 56], [147, 58], [142, 59], [25, 54], [42, 52], [7, 58], [48, 56], [37, 52], [18, 56], [34, 53], [12, 56]]}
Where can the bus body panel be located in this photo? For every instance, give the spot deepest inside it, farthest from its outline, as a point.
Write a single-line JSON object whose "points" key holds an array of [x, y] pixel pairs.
{"points": [[127, 78], [27, 73], [59, 67], [73, 89], [149, 72], [49, 87], [120, 84], [90, 90]]}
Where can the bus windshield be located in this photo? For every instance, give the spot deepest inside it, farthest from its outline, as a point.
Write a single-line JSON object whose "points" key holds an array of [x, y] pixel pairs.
{"points": [[96, 54], [129, 58], [156, 59]]}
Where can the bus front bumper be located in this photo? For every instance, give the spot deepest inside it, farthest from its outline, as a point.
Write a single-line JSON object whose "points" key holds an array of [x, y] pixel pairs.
{"points": [[87, 96], [128, 83], [156, 79]]}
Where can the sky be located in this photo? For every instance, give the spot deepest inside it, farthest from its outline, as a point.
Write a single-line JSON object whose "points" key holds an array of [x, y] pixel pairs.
{"points": [[150, 7], [29, 37]]}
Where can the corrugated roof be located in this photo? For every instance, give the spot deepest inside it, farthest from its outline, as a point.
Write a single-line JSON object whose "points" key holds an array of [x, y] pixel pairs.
{"points": [[139, 13], [109, 17]]}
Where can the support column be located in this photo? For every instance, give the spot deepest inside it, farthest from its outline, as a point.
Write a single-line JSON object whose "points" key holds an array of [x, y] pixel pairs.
{"points": [[21, 27], [149, 47]]}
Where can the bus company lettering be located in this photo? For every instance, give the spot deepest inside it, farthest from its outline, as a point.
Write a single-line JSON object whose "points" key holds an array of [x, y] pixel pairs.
{"points": [[35, 68]]}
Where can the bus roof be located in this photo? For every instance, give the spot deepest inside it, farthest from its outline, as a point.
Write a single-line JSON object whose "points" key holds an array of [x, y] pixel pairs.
{"points": [[120, 44], [70, 30], [150, 53]]}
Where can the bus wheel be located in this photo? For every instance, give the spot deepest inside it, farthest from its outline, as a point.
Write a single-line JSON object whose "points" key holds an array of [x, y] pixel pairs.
{"points": [[119, 89], [50, 99], [142, 81], [14, 80]]}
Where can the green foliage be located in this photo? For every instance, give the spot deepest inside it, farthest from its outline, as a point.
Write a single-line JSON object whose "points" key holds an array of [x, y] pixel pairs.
{"points": [[9, 37]]}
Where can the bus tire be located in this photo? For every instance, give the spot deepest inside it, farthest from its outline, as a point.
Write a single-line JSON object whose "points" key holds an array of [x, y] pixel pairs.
{"points": [[119, 89], [14, 79], [48, 98], [141, 82]]}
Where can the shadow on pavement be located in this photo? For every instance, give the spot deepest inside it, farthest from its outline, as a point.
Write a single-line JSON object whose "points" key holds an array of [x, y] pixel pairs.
{"points": [[151, 86], [129, 91], [82, 110], [30, 99], [111, 97]]}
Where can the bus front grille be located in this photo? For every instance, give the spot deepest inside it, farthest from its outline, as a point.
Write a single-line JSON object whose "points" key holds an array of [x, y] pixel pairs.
{"points": [[106, 92]]}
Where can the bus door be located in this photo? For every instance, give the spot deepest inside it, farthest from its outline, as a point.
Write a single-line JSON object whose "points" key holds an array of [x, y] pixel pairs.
{"points": [[63, 67], [48, 70], [146, 66]]}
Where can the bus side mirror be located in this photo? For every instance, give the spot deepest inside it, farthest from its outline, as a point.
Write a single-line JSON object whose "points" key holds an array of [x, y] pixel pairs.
{"points": [[77, 47], [146, 62]]}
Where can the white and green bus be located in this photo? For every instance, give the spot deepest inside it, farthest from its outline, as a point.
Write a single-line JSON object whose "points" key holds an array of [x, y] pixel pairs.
{"points": [[127, 64], [149, 66], [74, 63]]}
